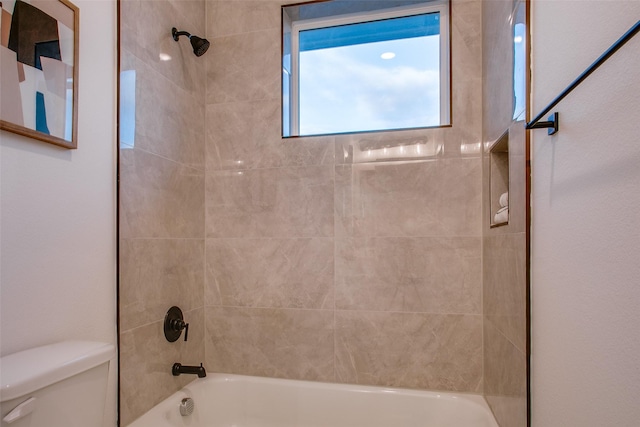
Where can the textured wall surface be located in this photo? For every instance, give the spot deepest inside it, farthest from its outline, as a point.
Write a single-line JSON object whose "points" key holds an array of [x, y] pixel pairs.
{"points": [[322, 267], [586, 219], [161, 201], [504, 247]]}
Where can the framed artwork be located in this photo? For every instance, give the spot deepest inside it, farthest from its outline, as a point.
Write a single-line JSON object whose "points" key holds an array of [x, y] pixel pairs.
{"points": [[39, 70]]}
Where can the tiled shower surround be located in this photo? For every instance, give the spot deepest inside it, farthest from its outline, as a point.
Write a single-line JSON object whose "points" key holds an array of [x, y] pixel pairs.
{"points": [[290, 258], [162, 175], [319, 268], [504, 247]]}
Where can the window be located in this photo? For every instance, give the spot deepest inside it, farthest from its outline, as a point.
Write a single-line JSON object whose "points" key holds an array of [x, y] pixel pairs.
{"points": [[365, 70]]}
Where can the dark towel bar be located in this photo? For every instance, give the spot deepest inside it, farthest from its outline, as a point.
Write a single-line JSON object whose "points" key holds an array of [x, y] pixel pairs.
{"points": [[552, 121]]}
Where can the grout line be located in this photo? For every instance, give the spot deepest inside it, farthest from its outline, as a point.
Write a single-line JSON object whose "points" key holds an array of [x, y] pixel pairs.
{"points": [[161, 320], [335, 250], [129, 147], [163, 238], [341, 238], [431, 313], [244, 33], [482, 259]]}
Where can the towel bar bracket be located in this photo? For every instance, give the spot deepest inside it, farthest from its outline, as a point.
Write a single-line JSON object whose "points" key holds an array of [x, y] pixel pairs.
{"points": [[551, 124]]}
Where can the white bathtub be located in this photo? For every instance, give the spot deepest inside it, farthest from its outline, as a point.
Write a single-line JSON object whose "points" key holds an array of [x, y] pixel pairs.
{"points": [[223, 400]]}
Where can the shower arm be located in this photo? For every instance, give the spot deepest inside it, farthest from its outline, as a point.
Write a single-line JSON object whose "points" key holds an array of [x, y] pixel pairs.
{"points": [[176, 34]]}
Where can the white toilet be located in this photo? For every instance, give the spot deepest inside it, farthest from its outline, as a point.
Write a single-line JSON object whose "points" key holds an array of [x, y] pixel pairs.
{"points": [[57, 385]]}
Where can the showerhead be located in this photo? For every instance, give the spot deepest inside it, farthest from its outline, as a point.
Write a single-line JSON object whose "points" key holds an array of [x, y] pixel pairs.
{"points": [[199, 45]]}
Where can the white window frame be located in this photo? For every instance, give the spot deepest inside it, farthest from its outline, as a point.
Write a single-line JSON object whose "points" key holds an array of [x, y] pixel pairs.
{"points": [[441, 7]]}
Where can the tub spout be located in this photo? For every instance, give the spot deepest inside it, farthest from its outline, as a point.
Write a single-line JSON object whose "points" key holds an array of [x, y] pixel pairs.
{"points": [[196, 370]]}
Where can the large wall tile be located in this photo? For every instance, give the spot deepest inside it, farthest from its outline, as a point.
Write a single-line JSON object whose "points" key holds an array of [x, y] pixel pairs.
{"points": [[435, 275], [159, 198], [247, 135], [169, 120], [393, 199], [289, 273], [194, 12], [243, 135], [245, 67], [466, 33], [440, 352], [156, 274], [504, 364], [431, 198], [229, 17], [456, 141], [497, 67], [460, 196], [509, 411], [146, 32], [281, 343], [466, 100], [407, 145], [286, 202], [505, 283], [466, 74], [146, 358]]}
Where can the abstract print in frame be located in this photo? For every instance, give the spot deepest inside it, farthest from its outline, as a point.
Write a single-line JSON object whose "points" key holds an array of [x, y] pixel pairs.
{"points": [[39, 70]]}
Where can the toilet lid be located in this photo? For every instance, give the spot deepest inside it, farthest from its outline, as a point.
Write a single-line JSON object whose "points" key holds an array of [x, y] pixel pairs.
{"points": [[30, 370]]}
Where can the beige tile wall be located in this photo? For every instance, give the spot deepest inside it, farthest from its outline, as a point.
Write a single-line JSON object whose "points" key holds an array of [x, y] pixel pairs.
{"points": [[162, 184], [322, 268], [504, 248], [293, 260]]}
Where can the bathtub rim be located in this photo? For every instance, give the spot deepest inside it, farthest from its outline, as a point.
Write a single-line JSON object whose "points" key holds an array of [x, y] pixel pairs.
{"points": [[474, 399]]}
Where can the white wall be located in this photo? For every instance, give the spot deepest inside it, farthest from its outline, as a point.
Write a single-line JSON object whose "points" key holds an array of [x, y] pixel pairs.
{"points": [[58, 222], [586, 219]]}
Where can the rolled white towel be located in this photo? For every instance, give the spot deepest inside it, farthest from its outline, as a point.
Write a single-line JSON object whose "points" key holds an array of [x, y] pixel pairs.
{"points": [[501, 216], [504, 199]]}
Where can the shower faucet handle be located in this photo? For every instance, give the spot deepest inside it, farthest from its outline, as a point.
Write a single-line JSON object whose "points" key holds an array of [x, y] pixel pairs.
{"points": [[186, 331], [177, 325], [174, 324]]}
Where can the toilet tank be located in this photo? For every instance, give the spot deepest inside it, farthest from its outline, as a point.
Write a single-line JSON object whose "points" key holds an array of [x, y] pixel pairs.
{"points": [[57, 385]]}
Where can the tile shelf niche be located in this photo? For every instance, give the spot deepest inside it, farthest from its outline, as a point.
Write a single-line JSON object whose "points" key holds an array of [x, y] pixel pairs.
{"points": [[499, 178]]}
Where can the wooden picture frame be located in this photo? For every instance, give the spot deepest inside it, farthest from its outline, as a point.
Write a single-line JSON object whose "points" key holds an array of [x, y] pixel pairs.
{"points": [[39, 70]]}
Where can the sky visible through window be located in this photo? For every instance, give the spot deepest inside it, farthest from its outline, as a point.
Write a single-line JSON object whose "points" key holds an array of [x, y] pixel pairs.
{"points": [[352, 88]]}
